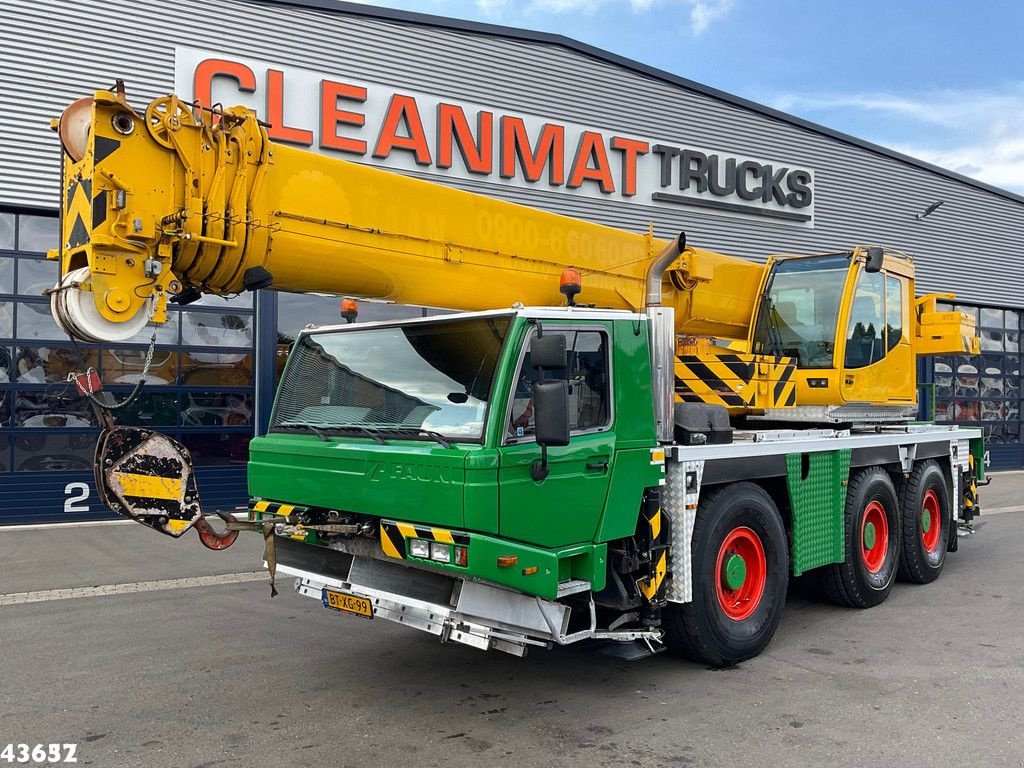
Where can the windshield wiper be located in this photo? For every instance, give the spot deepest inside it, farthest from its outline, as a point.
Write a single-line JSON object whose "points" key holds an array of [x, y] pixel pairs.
{"points": [[370, 433], [302, 425], [436, 436]]}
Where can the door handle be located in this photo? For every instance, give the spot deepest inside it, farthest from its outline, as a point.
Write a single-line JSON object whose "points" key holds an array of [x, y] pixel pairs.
{"points": [[600, 466]]}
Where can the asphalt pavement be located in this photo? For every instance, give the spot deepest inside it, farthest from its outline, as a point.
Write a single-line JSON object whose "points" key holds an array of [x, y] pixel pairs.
{"points": [[202, 668]]}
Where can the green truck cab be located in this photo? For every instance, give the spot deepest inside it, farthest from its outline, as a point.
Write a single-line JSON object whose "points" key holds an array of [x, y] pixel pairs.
{"points": [[429, 426]]}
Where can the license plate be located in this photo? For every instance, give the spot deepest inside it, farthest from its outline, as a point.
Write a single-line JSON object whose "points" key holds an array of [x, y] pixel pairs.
{"points": [[339, 601]]}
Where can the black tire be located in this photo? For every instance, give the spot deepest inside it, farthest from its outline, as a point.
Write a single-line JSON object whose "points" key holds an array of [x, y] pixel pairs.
{"points": [[923, 552], [701, 630], [856, 582]]}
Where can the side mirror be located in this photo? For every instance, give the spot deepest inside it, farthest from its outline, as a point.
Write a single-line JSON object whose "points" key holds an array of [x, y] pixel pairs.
{"points": [[874, 260], [551, 421], [551, 412], [547, 353]]}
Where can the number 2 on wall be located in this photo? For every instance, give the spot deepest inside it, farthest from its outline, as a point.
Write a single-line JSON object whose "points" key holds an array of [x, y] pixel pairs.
{"points": [[76, 494]]}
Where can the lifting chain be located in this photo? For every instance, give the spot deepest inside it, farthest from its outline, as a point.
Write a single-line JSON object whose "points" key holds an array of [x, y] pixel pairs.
{"points": [[85, 385]]}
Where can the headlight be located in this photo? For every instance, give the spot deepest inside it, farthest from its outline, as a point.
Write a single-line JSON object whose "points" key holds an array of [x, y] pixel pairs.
{"points": [[73, 128], [440, 552], [419, 548]]}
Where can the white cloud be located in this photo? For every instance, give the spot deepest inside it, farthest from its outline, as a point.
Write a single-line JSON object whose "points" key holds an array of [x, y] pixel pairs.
{"points": [[491, 7], [977, 133], [949, 108], [703, 13], [1000, 162], [566, 6]]}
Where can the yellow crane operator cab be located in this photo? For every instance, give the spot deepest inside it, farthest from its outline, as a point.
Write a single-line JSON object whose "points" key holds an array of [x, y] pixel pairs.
{"points": [[844, 319]]}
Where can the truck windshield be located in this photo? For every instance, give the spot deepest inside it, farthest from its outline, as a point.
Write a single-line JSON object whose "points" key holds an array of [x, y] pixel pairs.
{"points": [[800, 310], [399, 381]]}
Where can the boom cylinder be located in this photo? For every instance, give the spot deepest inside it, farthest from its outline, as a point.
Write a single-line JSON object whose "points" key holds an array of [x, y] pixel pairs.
{"points": [[181, 201]]}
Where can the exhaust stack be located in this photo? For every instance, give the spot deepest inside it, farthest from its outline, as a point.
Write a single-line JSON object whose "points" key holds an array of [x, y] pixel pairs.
{"points": [[662, 340]]}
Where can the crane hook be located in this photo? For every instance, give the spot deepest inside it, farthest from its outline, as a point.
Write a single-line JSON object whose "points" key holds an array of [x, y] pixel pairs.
{"points": [[210, 538]]}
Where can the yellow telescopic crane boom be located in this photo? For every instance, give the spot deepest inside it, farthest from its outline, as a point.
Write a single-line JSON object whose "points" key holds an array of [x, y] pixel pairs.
{"points": [[179, 201], [166, 204]]}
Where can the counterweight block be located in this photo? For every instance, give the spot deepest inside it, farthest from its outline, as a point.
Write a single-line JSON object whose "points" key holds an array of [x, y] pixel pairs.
{"points": [[147, 477]]}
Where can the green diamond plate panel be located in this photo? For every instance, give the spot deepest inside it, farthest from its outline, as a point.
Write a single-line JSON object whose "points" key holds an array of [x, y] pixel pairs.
{"points": [[817, 495]]}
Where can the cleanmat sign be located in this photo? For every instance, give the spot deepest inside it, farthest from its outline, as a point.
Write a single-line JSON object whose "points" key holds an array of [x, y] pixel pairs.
{"points": [[431, 134]]}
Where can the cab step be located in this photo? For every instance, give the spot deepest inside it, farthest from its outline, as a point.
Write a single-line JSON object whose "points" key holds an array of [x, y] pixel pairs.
{"points": [[572, 587]]}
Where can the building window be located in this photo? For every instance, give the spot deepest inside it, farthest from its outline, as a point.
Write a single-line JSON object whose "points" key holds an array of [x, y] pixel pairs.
{"points": [[37, 234], [6, 272], [6, 240], [984, 390], [199, 388]]}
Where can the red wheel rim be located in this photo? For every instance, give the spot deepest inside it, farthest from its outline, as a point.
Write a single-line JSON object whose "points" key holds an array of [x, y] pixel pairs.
{"points": [[874, 537], [931, 521], [740, 573]]}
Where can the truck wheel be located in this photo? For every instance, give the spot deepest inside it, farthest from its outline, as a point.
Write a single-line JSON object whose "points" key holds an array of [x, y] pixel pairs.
{"points": [[924, 498], [865, 577], [739, 571]]}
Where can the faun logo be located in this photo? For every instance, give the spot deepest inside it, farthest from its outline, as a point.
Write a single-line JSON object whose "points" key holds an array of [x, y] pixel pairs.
{"points": [[422, 473]]}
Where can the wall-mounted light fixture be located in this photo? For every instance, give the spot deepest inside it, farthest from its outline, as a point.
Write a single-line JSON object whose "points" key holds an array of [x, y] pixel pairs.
{"points": [[929, 210]]}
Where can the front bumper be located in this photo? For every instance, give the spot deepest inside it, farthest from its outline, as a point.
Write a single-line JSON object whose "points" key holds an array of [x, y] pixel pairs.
{"points": [[479, 615], [453, 609]]}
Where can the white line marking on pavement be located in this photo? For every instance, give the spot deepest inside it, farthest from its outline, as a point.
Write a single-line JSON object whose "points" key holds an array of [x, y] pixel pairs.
{"points": [[51, 526], [242, 514], [998, 511], [15, 598]]}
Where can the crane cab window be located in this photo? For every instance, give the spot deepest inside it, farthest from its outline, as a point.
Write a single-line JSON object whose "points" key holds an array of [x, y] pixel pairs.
{"points": [[865, 335], [799, 313], [589, 386], [893, 311]]}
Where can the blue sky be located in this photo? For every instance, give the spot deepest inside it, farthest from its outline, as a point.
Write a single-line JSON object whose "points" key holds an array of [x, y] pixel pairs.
{"points": [[939, 80]]}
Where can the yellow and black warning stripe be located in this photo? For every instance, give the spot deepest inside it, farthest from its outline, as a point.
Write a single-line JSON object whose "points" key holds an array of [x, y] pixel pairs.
{"points": [[970, 489], [736, 380], [148, 484], [274, 508], [82, 204], [785, 386], [655, 541], [77, 210], [103, 146], [393, 536], [649, 586], [710, 380]]}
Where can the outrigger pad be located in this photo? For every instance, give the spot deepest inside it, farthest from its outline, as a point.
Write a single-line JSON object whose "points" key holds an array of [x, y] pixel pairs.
{"points": [[148, 477]]}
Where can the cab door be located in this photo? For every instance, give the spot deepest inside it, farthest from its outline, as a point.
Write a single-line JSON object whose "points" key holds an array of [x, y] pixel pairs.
{"points": [[878, 362], [566, 506]]}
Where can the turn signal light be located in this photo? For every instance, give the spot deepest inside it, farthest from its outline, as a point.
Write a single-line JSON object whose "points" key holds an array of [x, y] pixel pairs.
{"points": [[507, 561], [462, 556]]}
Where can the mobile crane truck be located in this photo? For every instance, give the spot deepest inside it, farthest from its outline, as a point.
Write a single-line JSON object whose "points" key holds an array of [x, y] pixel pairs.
{"points": [[648, 467]]}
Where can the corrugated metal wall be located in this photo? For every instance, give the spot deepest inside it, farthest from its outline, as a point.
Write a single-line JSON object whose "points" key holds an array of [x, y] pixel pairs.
{"points": [[54, 52]]}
